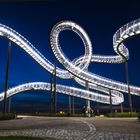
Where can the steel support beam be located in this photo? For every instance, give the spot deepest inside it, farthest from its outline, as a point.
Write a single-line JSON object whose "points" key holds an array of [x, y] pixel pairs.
{"points": [[55, 95], [88, 101], [98, 109], [121, 107], [69, 105], [111, 107], [6, 79], [128, 84], [73, 110], [51, 93]]}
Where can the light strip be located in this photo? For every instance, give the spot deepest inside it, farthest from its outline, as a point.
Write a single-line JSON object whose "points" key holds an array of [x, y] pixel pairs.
{"points": [[77, 69]]}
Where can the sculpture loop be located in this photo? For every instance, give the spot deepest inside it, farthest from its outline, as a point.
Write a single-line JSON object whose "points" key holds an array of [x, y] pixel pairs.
{"points": [[78, 68]]}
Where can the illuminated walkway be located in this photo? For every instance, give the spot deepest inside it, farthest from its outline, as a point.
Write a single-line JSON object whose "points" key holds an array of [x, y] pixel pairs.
{"points": [[77, 69]]}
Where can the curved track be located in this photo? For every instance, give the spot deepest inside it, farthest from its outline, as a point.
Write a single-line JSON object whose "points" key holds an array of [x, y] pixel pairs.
{"points": [[77, 69]]}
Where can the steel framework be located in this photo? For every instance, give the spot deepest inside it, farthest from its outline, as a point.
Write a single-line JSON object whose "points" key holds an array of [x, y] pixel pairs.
{"points": [[77, 69]]}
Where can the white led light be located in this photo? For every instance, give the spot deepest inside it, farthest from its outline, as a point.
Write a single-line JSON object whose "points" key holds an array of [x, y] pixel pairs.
{"points": [[78, 67]]}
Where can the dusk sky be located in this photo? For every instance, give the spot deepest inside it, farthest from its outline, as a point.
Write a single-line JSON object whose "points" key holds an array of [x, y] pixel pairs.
{"points": [[34, 20]]}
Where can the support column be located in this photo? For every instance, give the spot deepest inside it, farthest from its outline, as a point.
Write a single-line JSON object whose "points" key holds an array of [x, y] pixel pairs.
{"points": [[51, 94], [69, 105], [72, 98], [98, 110], [55, 96], [121, 108], [111, 108], [73, 111], [6, 79], [128, 84], [9, 105], [88, 102]]}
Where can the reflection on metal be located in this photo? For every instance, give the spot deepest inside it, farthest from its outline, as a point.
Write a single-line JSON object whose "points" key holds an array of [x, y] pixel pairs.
{"points": [[77, 68]]}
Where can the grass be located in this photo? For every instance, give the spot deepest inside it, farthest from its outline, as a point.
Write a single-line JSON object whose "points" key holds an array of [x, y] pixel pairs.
{"points": [[22, 138]]}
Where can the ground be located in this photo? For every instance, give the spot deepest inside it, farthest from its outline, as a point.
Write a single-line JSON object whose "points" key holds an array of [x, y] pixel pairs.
{"points": [[71, 128]]}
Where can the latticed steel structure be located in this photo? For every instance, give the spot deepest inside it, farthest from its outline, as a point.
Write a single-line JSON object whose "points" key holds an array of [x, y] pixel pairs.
{"points": [[77, 69]]}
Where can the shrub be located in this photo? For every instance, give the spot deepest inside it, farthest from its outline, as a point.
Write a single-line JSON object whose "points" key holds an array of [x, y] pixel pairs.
{"points": [[59, 114], [123, 114], [8, 116], [139, 116]]}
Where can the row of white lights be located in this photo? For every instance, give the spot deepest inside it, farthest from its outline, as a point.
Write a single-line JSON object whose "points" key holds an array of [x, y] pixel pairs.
{"points": [[77, 69]]}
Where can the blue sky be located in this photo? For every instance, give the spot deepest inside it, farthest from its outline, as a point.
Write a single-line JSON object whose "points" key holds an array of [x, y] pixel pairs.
{"points": [[34, 20]]}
